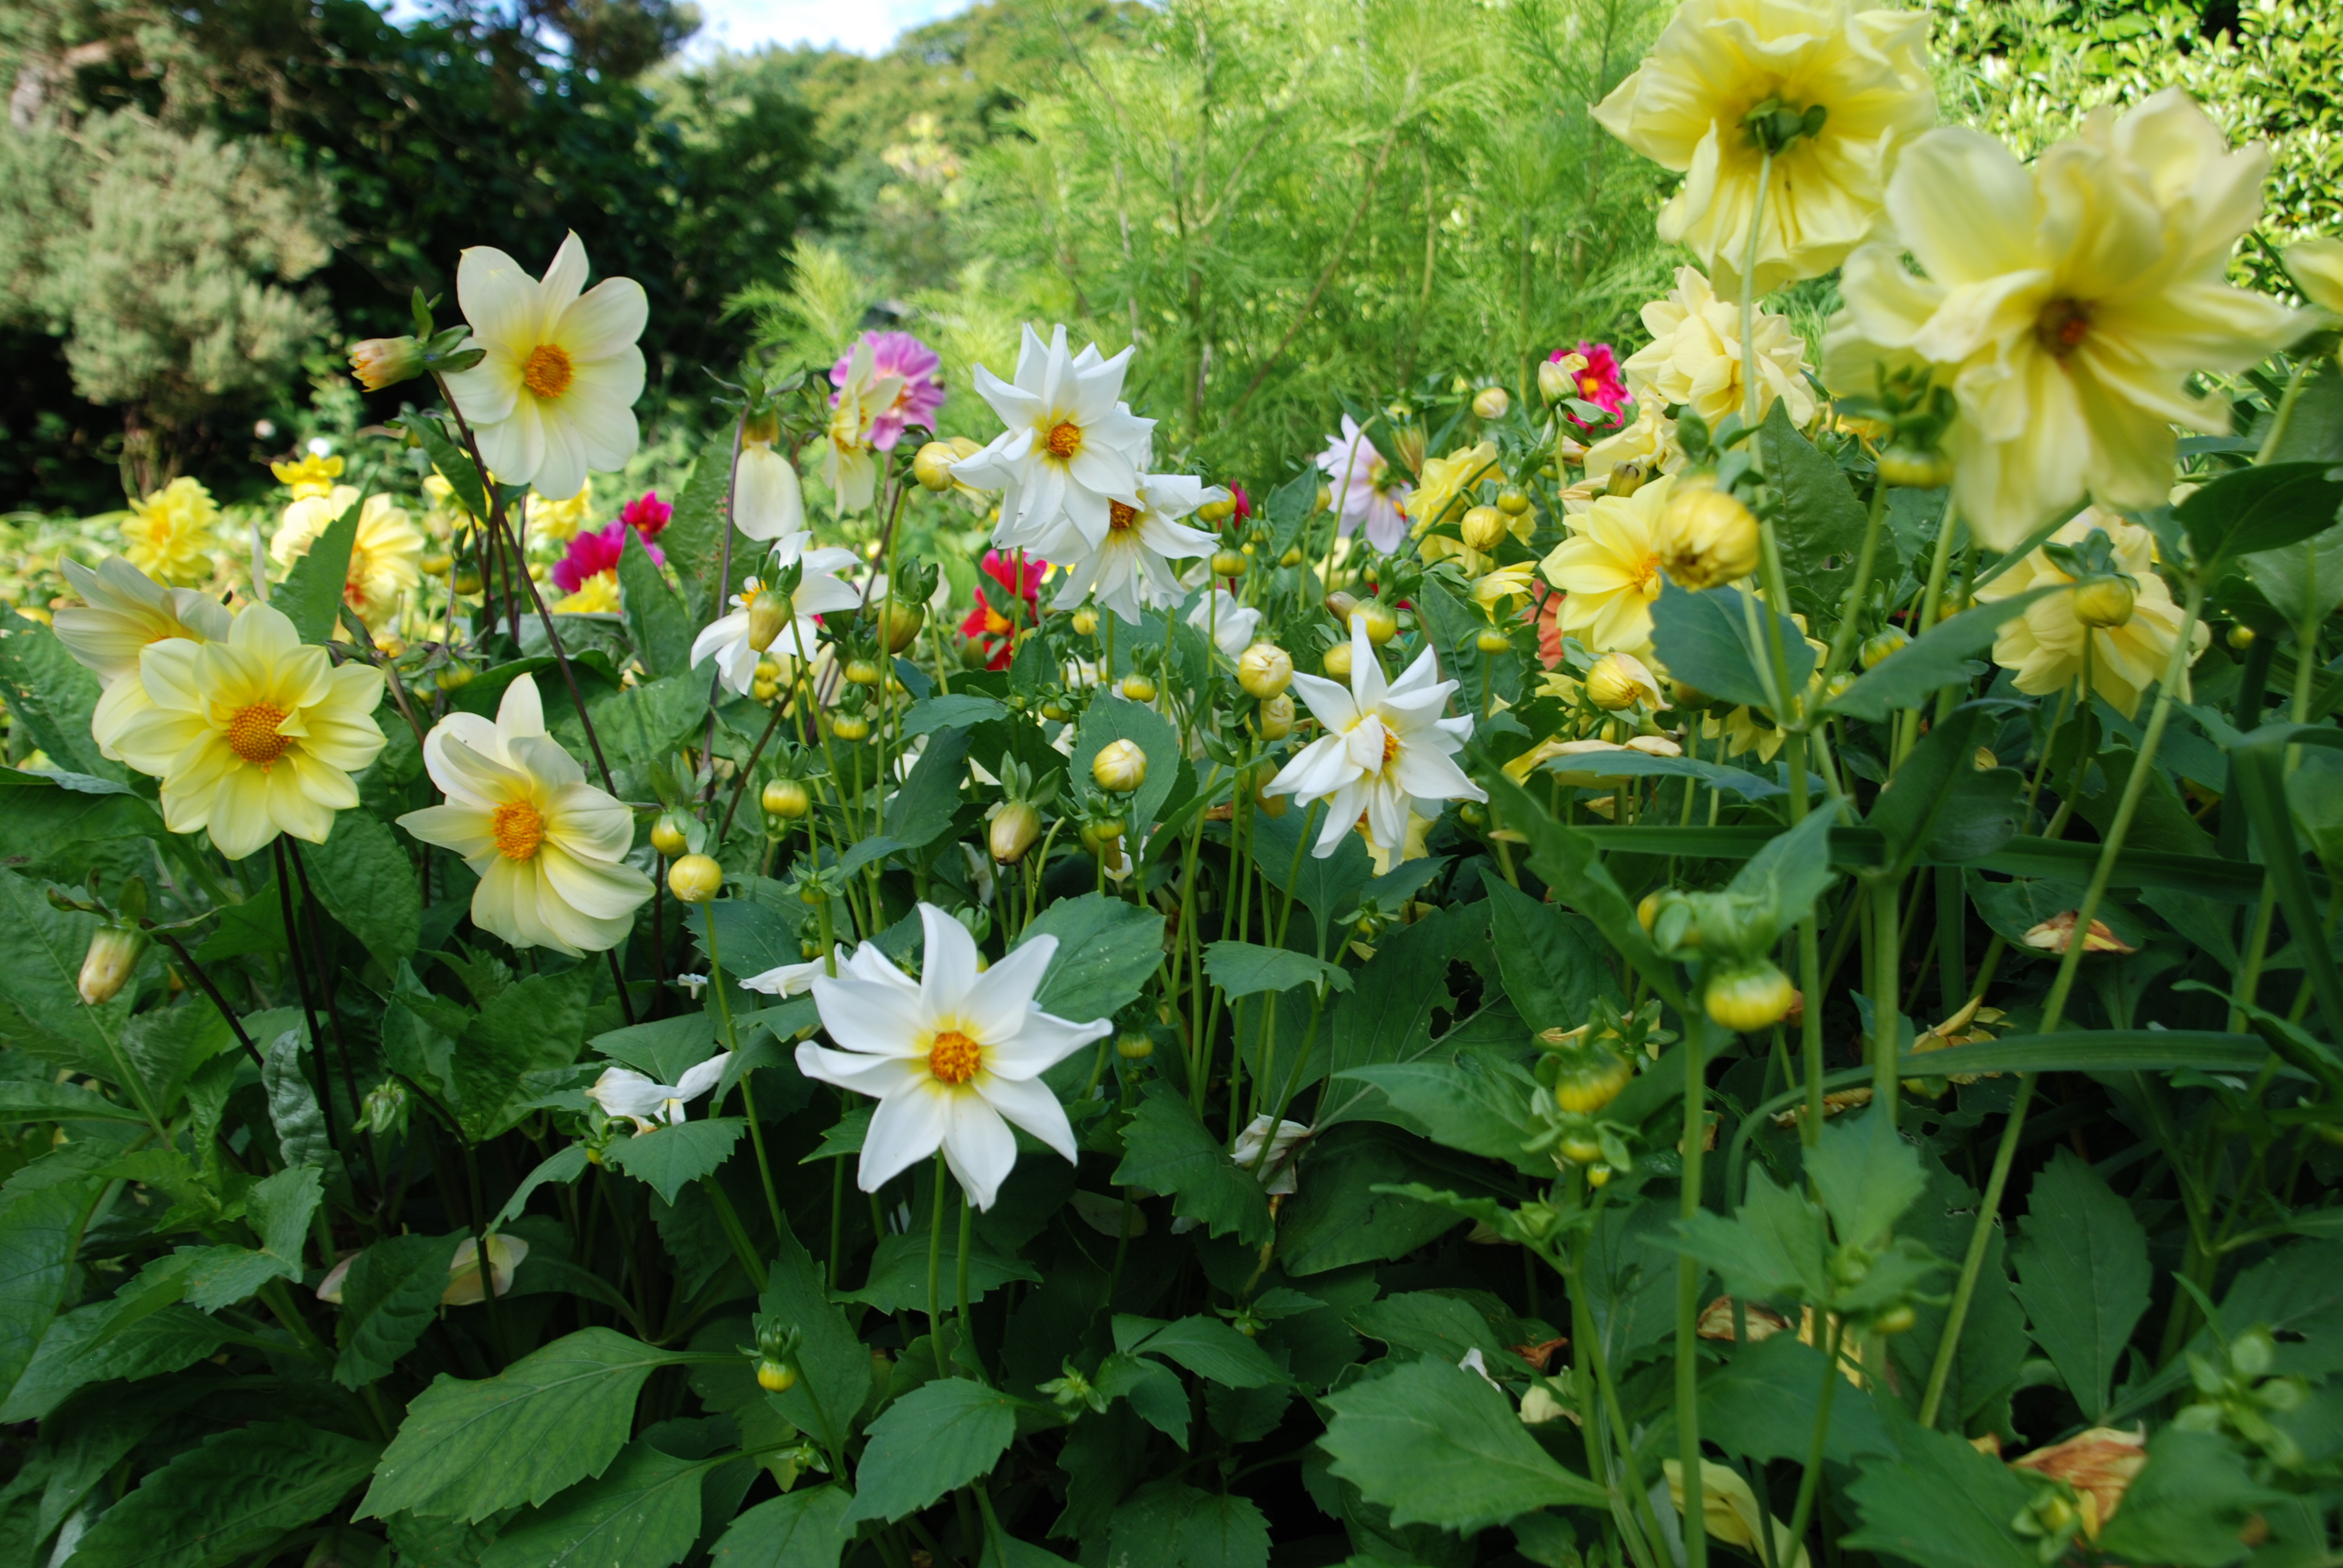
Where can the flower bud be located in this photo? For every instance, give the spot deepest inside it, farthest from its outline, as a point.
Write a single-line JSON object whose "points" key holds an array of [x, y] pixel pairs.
{"points": [[778, 1376], [786, 798], [1336, 661], [1340, 605], [1229, 563], [695, 879], [1381, 621], [113, 950], [1292, 557], [385, 1109], [1264, 670], [1481, 529], [1899, 1319], [1707, 537], [768, 617], [455, 676], [2241, 636], [1103, 839], [862, 671], [1277, 717], [1625, 480], [1618, 681], [851, 726], [900, 624], [1139, 687], [1490, 402], [1887, 640], [466, 581], [381, 362], [1749, 997], [1269, 805], [1086, 622], [1553, 381], [1120, 767], [668, 838], [764, 689], [1580, 1147], [1489, 639], [933, 465], [437, 564], [1915, 470], [1513, 502], [1132, 1045], [1219, 510], [2104, 602], [1012, 830], [1586, 1077]]}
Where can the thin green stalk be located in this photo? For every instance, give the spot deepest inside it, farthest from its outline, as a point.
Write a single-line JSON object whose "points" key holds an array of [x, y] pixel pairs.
{"points": [[1688, 1273], [1810, 1484], [732, 1043], [935, 1255], [1886, 1003], [959, 1268]]}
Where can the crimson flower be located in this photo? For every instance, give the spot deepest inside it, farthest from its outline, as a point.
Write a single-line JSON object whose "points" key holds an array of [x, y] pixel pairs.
{"points": [[647, 515], [1243, 501], [985, 621], [594, 552]]}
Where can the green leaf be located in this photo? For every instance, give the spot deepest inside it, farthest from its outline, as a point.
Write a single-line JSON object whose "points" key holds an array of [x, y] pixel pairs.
{"points": [[1865, 1175], [41, 1009], [1772, 1249], [388, 1298], [1205, 1346], [1438, 1445], [2083, 1276], [673, 1157], [39, 1231], [655, 619], [1389, 1014], [1704, 639], [1167, 1150], [366, 882], [1938, 658], [1570, 861], [293, 1106], [953, 710], [1429, 1324], [44, 826], [1248, 968], [802, 1529], [1171, 1524], [1940, 1503], [1761, 1405], [231, 1495], [311, 593], [454, 463], [90, 1344], [1793, 867], [1107, 950], [556, 1416], [836, 1366], [1113, 717], [643, 724], [32, 1099], [693, 539], [1821, 520], [1344, 1212], [564, 1165], [1929, 795], [534, 1025], [1552, 961], [1326, 887], [1466, 1104], [2188, 1506], [922, 810], [279, 1207], [899, 1271], [52, 696], [2249, 511], [643, 1513], [940, 1436]]}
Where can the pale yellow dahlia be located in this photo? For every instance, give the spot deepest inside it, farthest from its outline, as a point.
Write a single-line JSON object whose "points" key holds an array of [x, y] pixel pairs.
{"points": [[312, 473], [253, 735], [1443, 479], [1727, 74], [2317, 268], [2042, 648], [1650, 442], [560, 520], [123, 612], [1609, 569], [548, 848], [385, 557], [1696, 358], [2065, 304], [168, 535]]}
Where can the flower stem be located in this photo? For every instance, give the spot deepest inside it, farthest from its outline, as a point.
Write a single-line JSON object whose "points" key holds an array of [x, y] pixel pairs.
{"points": [[959, 1268], [748, 1091], [1688, 1275], [935, 1256], [1810, 1484]]}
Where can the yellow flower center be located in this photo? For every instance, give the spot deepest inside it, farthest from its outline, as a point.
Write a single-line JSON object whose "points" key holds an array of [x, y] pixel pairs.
{"points": [[547, 372], [995, 623], [1647, 574], [1064, 440], [1121, 517], [519, 829], [1390, 746], [954, 1058], [252, 733], [2063, 325]]}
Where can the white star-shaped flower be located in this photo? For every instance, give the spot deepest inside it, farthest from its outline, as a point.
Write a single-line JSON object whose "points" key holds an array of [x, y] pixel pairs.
{"points": [[1386, 747], [1071, 449], [1228, 624], [624, 1094], [819, 592], [1128, 571], [954, 1057]]}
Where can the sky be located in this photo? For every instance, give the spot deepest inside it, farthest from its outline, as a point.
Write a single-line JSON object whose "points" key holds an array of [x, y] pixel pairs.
{"points": [[865, 26]]}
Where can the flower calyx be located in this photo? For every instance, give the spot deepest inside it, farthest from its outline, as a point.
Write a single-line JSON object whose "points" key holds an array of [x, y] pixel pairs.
{"points": [[1774, 125]]}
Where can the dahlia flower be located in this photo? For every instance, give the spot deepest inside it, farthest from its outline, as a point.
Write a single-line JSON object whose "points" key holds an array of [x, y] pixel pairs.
{"points": [[647, 515], [2042, 648], [1609, 569], [1128, 571], [1595, 378], [385, 556], [986, 622], [862, 396], [592, 552], [1696, 356], [919, 394], [168, 535], [1367, 491], [1071, 449], [819, 592]]}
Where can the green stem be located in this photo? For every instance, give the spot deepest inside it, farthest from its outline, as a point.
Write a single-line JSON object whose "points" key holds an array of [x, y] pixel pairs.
{"points": [[1810, 1484], [1886, 986], [959, 1268], [1688, 1275], [732, 1043], [935, 1256]]}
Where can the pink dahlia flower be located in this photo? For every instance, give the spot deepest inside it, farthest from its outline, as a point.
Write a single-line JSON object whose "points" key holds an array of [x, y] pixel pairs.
{"points": [[1598, 381], [593, 552], [897, 354], [647, 515]]}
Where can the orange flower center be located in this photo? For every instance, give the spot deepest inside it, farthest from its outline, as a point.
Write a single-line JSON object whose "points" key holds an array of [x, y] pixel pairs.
{"points": [[1647, 574], [1065, 440], [519, 829], [954, 1058], [1390, 746], [1120, 516], [2063, 325], [995, 623], [252, 733], [548, 371], [1590, 387]]}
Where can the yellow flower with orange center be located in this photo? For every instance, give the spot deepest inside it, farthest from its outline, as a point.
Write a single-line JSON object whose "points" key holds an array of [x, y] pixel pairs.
{"points": [[1609, 569]]}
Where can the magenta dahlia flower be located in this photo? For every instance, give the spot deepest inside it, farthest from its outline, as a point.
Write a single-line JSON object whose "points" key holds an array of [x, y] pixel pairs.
{"points": [[897, 354], [594, 552], [647, 515]]}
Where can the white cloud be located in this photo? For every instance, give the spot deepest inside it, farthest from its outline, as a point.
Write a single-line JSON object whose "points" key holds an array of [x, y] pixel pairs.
{"points": [[864, 26]]}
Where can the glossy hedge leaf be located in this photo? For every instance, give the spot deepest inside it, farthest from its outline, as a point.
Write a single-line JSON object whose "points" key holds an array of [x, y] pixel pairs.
{"points": [[1704, 639], [1940, 1503], [1248, 968], [1938, 658], [1552, 961], [2082, 1275], [388, 1298], [657, 619], [671, 1158], [556, 1416], [1167, 1150], [802, 1529], [1107, 950], [2188, 1505], [1437, 1445], [232, 1495], [1205, 1346], [366, 882], [940, 1436], [643, 1513], [311, 593], [2251, 510]]}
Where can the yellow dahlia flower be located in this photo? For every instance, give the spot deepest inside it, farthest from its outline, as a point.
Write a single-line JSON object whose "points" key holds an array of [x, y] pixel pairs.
{"points": [[560, 520], [310, 475], [1609, 569], [2065, 304], [2317, 268], [1650, 441], [1722, 73], [598, 595], [1443, 479], [556, 394], [385, 558], [548, 848], [124, 611], [252, 736], [2043, 648], [1696, 356], [169, 533]]}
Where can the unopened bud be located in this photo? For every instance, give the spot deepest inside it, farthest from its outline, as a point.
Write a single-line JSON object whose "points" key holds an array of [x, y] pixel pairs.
{"points": [[1490, 639], [1618, 681], [1119, 766], [933, 465], [1132, 1045], [1553, 381], [1139, 687], [1624, 481], [1707, 537], [1749, 997], [381, 362], [1086, 622], [1014, 826], [668, 838], [900, 624], [113, 950], [1481, 529], [1381, 621], [1277, 716], [695, 879], [1229, 563], [1915, 470], [768, 617], [386, 1108], [786, 798], [2104, 602], [1336, 661], [1490, 402], [1264, 670], [1880, 644]]}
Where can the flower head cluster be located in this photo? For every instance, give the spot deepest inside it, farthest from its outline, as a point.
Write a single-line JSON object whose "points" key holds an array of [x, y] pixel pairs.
{"points": [[1595, 377], [2046, 648], [912, 366], [168, 535], [1071, 450], [1368, 491]]}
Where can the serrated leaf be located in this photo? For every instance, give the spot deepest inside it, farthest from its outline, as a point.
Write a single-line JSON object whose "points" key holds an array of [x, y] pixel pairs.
{"points": [[232, 1494], [940, 1436], [388, 1298], [1107, 950], [2082, 1276], [1437, 1445], [556, 1416], [1171, 1524], [670, 1158], [1465, 1104], [1865, 1175], [1704, 639], [1248, 968], [311, 593], [952, 710], [52, 696], [41, 1009], [38, 1234], [643, 1513], [836, 1366], [1205, 1346], [1167, 1150], [1938, 658], [656, 620], [1552, 961], [32, 1100], [1940, 1503], [801, 1529], [366, 882], [922, 810], [2188, 1505], [1761, 1405], [1821, 521]]}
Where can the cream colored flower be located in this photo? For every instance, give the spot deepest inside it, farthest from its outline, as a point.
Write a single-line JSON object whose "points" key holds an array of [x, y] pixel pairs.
{"points": [[626, 1095], [1696, 358], [548, 848], [766, 501], [1695, 104], [1609, 569], [312, 473], [1649, 442], [846, 465], [168, 535], [820, 591], [1505, 588], [253, 735], [2042, 648], [2317, 268], [556, 394], [123, 612], [1444, 480], [1072, 447], [1128, 570], [555, 519], [385, 557], [2065, 304]]}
